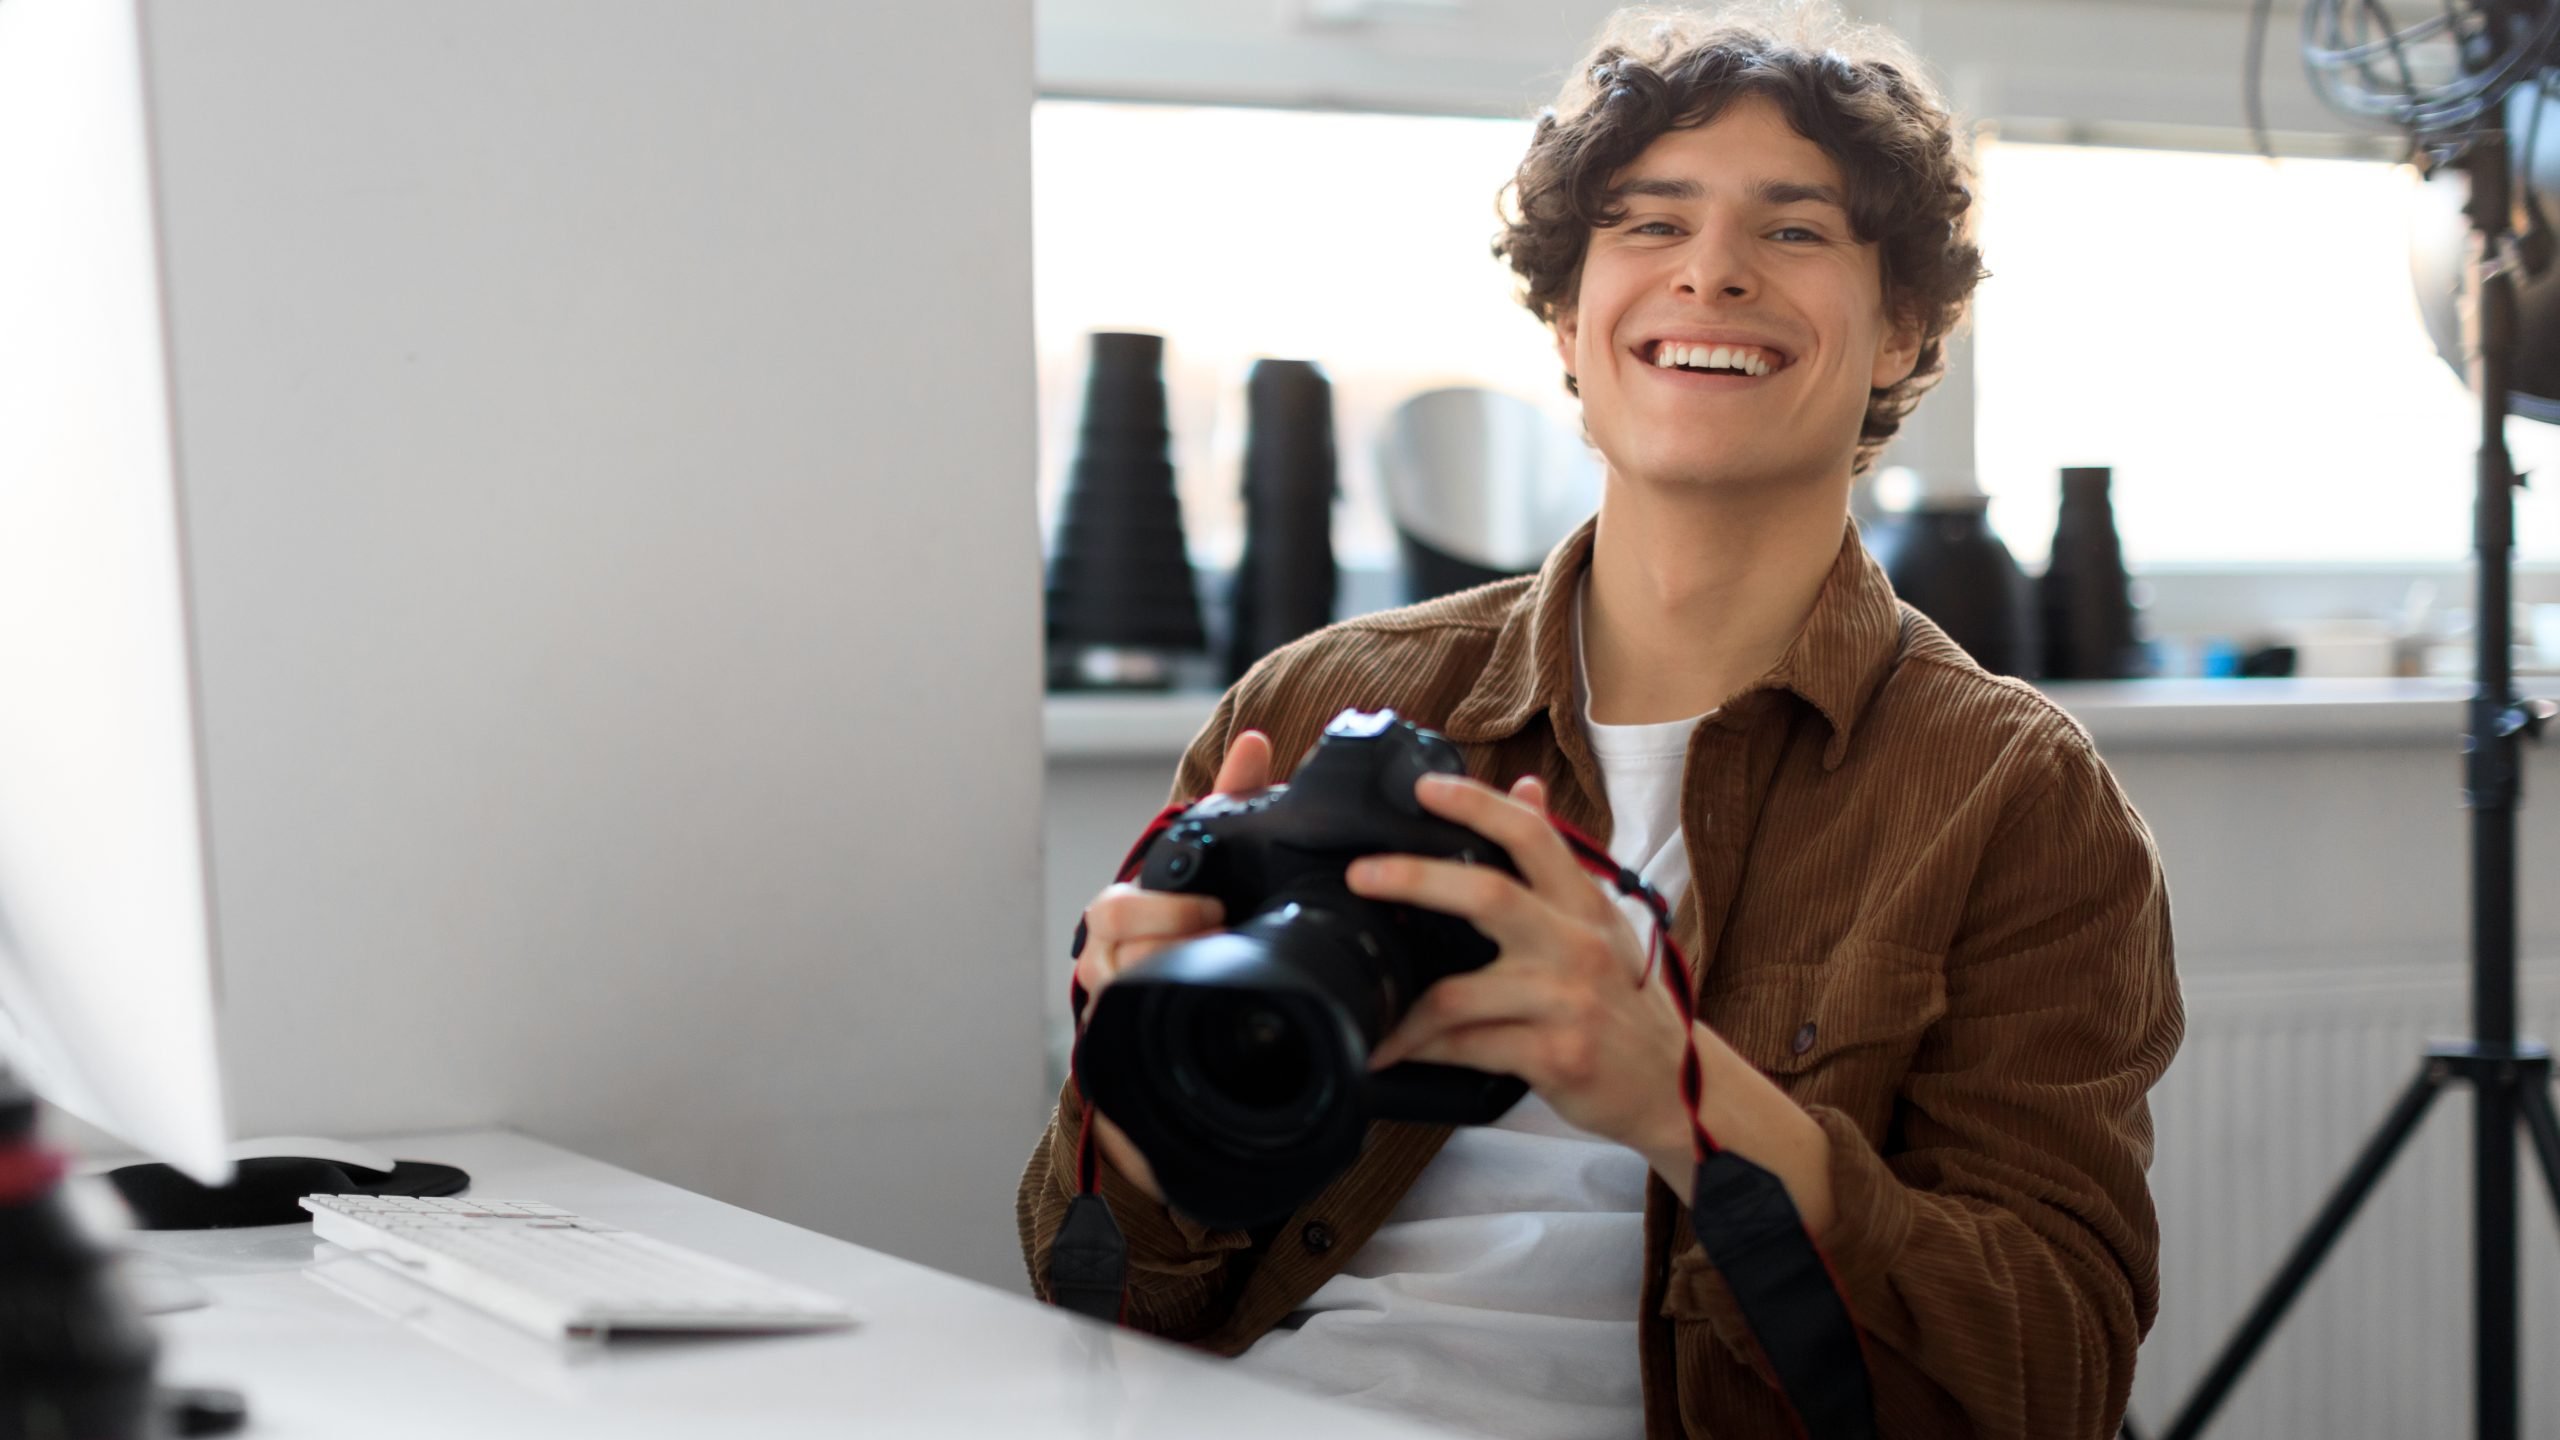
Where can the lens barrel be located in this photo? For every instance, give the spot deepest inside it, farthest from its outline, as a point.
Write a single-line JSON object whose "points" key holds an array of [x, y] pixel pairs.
{"points": [[1238, 1062]]}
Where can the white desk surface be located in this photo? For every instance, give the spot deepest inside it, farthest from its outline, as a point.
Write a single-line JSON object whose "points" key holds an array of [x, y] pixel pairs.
{"points": [[933, 1355]]}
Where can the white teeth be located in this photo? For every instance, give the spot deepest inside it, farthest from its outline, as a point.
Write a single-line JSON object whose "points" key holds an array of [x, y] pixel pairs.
{"points": [[1742, 358]]}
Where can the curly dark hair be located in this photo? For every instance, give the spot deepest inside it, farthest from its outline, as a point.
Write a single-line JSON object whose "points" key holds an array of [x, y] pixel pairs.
{"points": [[1855, 91]]}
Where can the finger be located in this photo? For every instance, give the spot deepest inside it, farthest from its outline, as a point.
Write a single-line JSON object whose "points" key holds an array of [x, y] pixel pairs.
{"points": [[1512, 915], [1498, 994], [1247, 767], [1500, 1048], [1124, 912], [1521, 830], [1106, 961], [1095, 968], [1130, 954], [1572, 925]]}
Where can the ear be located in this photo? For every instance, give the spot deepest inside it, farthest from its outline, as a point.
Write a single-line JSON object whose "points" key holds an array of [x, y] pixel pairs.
{"points": [[1568, 326], [1897, 353]]}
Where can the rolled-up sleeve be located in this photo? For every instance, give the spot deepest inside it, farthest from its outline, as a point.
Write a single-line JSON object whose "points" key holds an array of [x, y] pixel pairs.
{"points": [[2001, 1252]]}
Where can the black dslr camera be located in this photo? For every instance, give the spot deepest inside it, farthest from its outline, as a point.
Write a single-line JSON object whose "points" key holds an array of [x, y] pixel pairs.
{"points": [[1237, 1062]]}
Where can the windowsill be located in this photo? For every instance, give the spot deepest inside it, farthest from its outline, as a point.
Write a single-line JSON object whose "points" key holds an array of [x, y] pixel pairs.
{"points": [[2143, 714]]}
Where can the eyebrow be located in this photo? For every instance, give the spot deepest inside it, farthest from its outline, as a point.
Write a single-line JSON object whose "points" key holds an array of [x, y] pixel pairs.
{"points": [[1767, 192]]}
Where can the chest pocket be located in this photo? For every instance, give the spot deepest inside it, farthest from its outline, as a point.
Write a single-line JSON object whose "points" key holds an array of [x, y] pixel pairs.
{"points": [[1841, 1032]]}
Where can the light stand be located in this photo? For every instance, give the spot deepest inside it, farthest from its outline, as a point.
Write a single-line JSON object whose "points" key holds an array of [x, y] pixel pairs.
{"points": [[2510, 1078]]}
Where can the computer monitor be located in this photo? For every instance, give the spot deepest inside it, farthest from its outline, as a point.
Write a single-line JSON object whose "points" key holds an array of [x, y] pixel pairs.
{"points": [[107, 948]]}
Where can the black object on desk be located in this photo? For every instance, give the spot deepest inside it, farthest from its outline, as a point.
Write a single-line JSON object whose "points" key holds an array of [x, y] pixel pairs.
{"points": [[268, 1191]]}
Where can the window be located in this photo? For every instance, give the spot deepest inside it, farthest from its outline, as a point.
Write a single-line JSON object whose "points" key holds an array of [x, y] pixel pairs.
{"points": [[2238, 339], [1357, 241], [2241, 341]]}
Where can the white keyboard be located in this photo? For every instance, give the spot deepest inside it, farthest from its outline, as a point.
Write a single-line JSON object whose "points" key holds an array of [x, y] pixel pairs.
{"points": [[554, 1273]]}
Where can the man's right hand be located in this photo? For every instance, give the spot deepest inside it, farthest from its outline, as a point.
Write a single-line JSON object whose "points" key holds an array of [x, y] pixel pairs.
{"points": [[1125, 925]]}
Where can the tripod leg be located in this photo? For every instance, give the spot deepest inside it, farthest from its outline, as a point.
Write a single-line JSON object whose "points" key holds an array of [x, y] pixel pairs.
{"points": [[2308, 1252], [2544, 1126]]}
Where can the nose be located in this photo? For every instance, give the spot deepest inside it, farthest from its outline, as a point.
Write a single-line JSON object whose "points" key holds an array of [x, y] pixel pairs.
{"points": [[1717, 264]]}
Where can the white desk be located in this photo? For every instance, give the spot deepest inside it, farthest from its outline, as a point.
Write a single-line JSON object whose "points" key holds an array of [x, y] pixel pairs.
{"points": [[933, 1355]]}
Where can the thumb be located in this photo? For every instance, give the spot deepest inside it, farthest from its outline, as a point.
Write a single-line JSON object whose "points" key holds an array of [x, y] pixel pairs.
{"points": [[1247, 767], [1530, 790]]}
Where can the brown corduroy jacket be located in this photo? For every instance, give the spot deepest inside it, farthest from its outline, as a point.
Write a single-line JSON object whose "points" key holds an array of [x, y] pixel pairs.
{"points": [[1917, 900]]}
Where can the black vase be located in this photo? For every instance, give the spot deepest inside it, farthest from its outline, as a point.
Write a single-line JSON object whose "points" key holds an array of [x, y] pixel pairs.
{"points": [[1285, 582], [2086, 596], [1944, 559], [1121, 601]]}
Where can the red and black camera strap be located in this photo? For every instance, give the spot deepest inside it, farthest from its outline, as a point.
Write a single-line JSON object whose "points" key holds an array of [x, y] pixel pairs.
{"points": [[1748, 1225], [1089, 1258], [1740, 1212]]}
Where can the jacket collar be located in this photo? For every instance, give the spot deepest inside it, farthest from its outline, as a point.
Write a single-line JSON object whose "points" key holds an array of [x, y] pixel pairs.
{"points": [[1835, 663]]}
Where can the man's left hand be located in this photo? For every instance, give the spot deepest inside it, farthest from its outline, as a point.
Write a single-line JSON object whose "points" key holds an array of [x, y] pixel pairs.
{"points": [[1566, 1003]]}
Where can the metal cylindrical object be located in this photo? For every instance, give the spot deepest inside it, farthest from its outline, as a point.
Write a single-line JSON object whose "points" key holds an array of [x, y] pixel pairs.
{"points": [[1481, 485]]}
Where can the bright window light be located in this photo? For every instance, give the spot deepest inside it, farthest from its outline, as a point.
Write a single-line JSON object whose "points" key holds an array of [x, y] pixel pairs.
{"points": [[1357, 241], [2240, 340]]}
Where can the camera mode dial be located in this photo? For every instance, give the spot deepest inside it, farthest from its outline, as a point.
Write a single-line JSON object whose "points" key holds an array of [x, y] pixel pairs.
{"points": [[1415, 754], [1180, 860]]}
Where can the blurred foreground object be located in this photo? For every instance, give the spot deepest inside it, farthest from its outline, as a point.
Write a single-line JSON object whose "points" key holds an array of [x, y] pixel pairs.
{"points": [[75, 1356]]}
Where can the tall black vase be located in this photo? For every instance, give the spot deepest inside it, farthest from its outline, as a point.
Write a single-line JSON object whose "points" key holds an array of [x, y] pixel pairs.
{"points": [[1944, 559], [1121, 602], [1285, 582], [2086, 595]]}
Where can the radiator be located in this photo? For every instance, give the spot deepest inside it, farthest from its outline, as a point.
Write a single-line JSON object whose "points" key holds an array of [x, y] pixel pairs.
{"points": [[2283, 1077]]}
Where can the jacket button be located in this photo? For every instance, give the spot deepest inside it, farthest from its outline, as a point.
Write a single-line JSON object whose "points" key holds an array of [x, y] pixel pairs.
{"points": [[1317, 1236], [1805, 1037]]}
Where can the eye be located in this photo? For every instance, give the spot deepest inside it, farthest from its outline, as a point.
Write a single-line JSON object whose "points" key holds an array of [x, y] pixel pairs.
{"points": [[1654, 227], [1796, 234]]}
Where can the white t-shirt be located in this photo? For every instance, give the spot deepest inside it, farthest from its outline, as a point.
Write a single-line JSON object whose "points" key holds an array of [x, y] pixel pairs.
{"points": [[1500, 1296]]}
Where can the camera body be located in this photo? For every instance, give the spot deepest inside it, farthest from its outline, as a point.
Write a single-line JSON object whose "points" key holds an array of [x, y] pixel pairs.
{"points": [[1237, 1062]]}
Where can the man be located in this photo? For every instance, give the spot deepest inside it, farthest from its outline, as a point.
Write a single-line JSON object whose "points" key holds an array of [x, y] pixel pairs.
{"points": [[1930, 937]]}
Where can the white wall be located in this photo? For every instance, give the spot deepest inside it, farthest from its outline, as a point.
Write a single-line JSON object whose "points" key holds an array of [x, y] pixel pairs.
{"points": [[606, 428], [2126, 62]]}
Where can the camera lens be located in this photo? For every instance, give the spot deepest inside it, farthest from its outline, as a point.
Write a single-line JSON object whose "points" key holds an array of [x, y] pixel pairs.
{"points": [[1250, 1052], [1245, 1065]]}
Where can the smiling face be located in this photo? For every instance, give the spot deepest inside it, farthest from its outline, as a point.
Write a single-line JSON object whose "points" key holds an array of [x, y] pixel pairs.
{"points": [[1727, 332]]}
